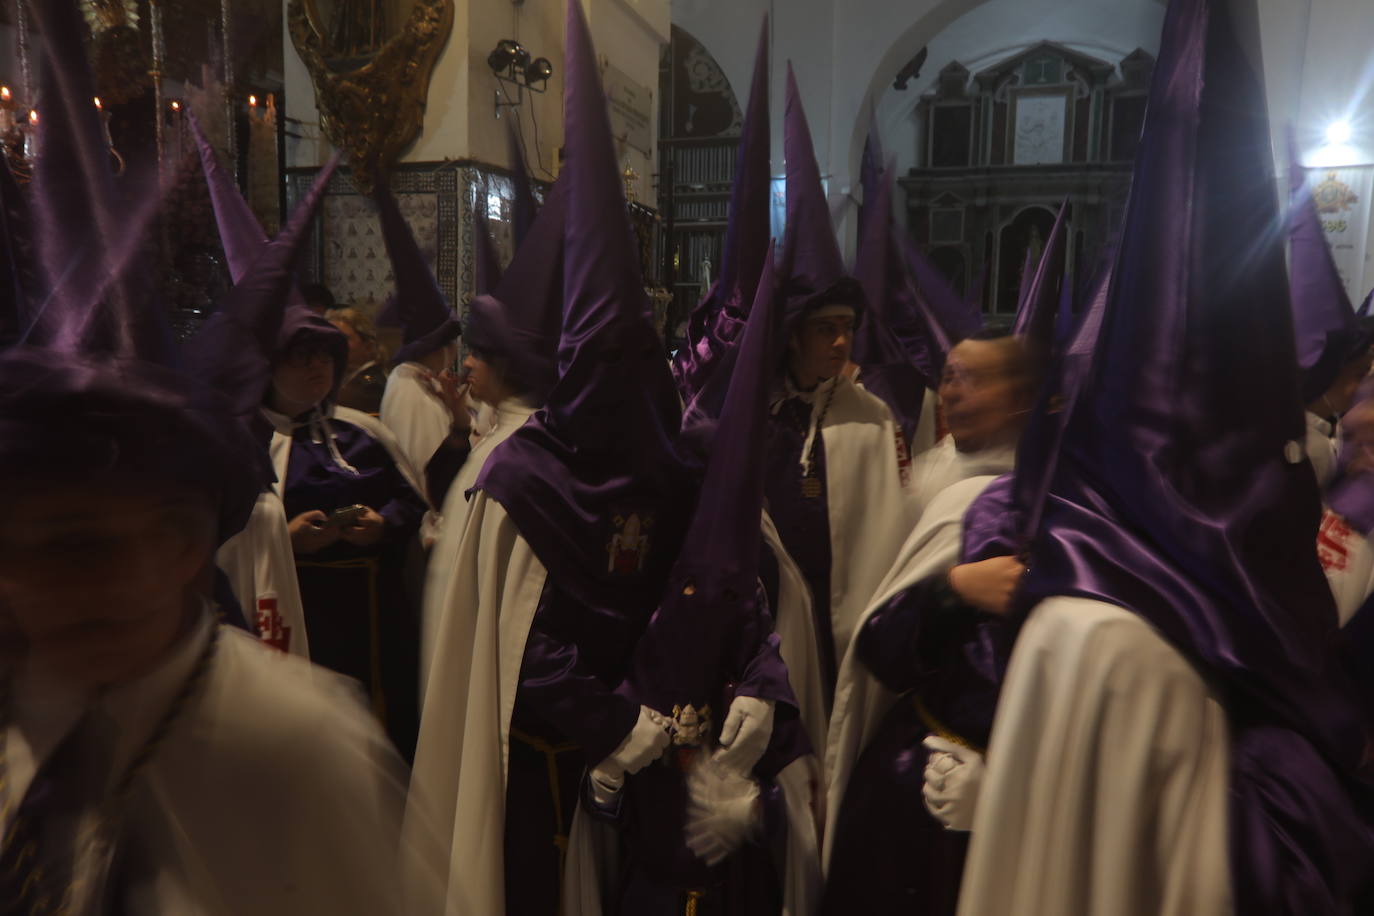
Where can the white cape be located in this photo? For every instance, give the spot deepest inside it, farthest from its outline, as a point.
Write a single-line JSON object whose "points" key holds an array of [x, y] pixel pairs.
{"points": [[261, 568], [861, 701], [276, 794], [1107, 776], [870, 505], [494, 426], [944, 465], [458, 786], [417, 418]]}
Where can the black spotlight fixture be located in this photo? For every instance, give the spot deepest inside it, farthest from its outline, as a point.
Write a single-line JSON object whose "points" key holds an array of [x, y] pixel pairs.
{"points": [[514, 65]]}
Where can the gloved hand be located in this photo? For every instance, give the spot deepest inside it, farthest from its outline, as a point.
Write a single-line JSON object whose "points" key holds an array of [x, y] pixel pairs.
{"points": [[744, 736], [605, 787], [722, 810], [953, 776], [642, 746]]}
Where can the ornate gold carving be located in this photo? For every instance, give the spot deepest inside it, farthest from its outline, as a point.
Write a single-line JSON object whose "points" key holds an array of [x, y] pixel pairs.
{"points": [[375, 110]]}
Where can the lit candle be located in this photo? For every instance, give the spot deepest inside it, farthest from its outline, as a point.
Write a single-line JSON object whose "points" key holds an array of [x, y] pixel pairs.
{"points": [[6, 112], [252, 101], [31, 136]]}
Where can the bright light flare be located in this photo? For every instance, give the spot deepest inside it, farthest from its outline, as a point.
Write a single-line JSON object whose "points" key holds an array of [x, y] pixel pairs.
{"points": [[1339, 133]]}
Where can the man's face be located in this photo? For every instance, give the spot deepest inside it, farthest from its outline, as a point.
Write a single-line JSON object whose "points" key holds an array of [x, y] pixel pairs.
{"points": [[820, 348], [985, 393], [97, 575], [484, 381]]}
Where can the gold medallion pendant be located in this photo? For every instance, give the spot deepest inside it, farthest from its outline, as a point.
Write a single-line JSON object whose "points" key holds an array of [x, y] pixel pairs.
{"points": [[811, 487]]}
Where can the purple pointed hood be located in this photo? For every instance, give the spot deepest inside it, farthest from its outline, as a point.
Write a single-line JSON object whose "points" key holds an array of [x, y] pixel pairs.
{"points": [[889, 369], [592, 480], [1365, 306], [687, 654], [811, 268], [418, 306], [520, 320], [235, 347], [240, 234], [1182, 493], [96, 387], [1328, 332], [955, 317], [524, 208], [718, 318], [1040, 293]]}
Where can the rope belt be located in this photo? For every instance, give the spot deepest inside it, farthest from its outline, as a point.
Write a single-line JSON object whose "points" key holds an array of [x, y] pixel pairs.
{"points": [[939, 728], [373, 566]]}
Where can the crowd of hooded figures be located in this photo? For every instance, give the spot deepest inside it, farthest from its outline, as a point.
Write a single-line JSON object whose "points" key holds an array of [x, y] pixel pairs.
{"points": [[851, 605]]}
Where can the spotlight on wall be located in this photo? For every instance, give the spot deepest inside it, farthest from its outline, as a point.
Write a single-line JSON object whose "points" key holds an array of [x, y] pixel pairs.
{"points": [[1338, 133], [515, 66]]}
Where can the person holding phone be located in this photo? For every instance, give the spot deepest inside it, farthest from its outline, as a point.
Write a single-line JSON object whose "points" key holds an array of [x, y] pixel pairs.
{"points": [[354, 503]]}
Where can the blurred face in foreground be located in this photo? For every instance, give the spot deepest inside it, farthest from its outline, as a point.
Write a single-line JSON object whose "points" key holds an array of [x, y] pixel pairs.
{"points": [[98, 576], [987, 391]]}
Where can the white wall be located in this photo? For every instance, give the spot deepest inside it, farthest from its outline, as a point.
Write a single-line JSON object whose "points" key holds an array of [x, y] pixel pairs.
{"points": [[1319, 60], [460, 117]]}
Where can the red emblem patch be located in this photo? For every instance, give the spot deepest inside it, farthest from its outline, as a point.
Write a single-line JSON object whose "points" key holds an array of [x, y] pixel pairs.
{"points": [[1332, 538], [271, 628]]}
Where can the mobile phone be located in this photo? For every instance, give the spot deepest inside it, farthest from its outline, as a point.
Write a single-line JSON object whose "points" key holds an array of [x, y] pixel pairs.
{"points": [[342, 518]]}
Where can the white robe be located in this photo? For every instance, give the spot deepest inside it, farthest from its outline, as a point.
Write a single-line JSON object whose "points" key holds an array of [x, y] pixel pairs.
{"points": [[1347, 557], [496, 425], [413, 413], [1107, 776], [261, 569], [944, 464], [461, 763], [869, 502], [1321, 448], [861, 701], [275, 793]]}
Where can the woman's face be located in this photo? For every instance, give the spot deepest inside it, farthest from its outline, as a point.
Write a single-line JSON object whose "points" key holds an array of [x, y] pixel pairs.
{"points": [[304, 378]]}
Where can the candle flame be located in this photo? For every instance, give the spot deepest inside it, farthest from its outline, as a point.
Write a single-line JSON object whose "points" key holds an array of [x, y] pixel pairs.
{"points": [[253, 101], [33, 116], [97, 102], [176, 106], [4, 93]]}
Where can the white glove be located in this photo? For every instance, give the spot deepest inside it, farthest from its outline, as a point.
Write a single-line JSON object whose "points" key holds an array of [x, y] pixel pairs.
{"points": [[642, 746], [722, 810], [953, 776], [744, 736], [606, 787]]}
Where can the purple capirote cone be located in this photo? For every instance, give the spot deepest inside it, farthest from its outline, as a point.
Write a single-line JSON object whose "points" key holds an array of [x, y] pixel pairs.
{"points": [[686, 651], [1327, 330], [811, 267], [97, 389], [90, 231], [955, 317], [896, 374], [486, 264], [240, 234], [524, 208], [1182, 494], [600, 453], [419, 307], [718, 318], [519, 320], [234, 349], [1040, 299]]}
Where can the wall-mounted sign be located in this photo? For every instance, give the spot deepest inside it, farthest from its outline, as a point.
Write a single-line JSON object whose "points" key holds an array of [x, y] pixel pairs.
{"points": [[632, 110]]}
